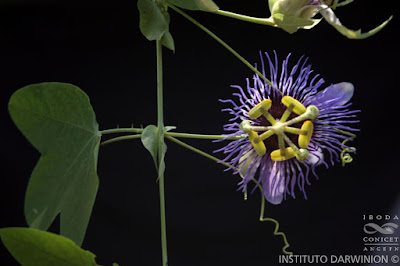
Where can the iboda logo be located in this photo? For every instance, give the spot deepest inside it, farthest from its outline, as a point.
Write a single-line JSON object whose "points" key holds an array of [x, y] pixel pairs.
{"points": [[386, 229], [383, 226]]}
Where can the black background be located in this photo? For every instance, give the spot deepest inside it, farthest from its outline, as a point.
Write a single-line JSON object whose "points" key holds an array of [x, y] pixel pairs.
{"points": [[100, 49]]}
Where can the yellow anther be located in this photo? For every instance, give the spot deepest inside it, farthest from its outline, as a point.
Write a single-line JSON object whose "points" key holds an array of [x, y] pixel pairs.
{"points": [[256, 112], [298, 108], [276, 155], [304, 140], [259, 147]]}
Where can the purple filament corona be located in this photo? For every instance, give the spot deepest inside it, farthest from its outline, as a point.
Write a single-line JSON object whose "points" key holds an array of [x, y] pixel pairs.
{"points": [[331, 128]]}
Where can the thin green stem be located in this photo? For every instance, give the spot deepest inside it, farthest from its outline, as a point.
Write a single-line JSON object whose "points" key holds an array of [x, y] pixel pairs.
{"points": [[262, 21], [201, 136], [202, 153], [224, 44], [160, 125], [121, 130], [187, 146], [171, 134], [160, 105], [120, 138]]}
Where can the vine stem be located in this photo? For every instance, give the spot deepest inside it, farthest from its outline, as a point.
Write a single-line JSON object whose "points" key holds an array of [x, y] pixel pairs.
{"points": [[224, 44], [160, 125]]}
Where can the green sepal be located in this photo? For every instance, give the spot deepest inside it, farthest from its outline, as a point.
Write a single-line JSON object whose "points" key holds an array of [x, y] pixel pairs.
{"points": [[292, 23], [271, 4], [246, 167], [32, 247]]}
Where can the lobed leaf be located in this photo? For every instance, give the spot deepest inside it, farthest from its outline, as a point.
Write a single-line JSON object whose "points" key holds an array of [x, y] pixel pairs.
{"points": [[59, 121]]}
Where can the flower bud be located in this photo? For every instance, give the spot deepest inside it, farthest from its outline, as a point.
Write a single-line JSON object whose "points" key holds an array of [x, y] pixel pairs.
{"points": [[291, 15]]}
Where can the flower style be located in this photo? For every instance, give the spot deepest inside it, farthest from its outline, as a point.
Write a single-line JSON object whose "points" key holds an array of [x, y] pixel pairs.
{"points": [[288, 128], [291, 15]]}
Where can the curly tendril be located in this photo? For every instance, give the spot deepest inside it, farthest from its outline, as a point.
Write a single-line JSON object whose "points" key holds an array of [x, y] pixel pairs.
{"points": [[276, 230], [276, 233], [345, 155]]}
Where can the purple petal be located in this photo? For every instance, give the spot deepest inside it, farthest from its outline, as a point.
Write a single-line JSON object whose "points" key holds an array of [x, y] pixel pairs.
{"points": [[316, 157], [273, 182], [335, 95]]}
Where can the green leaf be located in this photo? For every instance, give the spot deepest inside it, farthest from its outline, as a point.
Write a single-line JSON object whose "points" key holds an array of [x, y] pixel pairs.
{"points": [[153, 141], [32, 247], [59, 121], [163, 150], [149, 140], [203, 5], [154, 22], [168, 41]]}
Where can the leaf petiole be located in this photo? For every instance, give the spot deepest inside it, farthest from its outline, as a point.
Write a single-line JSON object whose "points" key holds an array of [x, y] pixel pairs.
{"points": [[120, 138], [121, 130]]}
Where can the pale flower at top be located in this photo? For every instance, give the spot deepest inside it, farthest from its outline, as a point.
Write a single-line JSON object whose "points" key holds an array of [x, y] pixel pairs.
{"points": [[291, 15]]}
